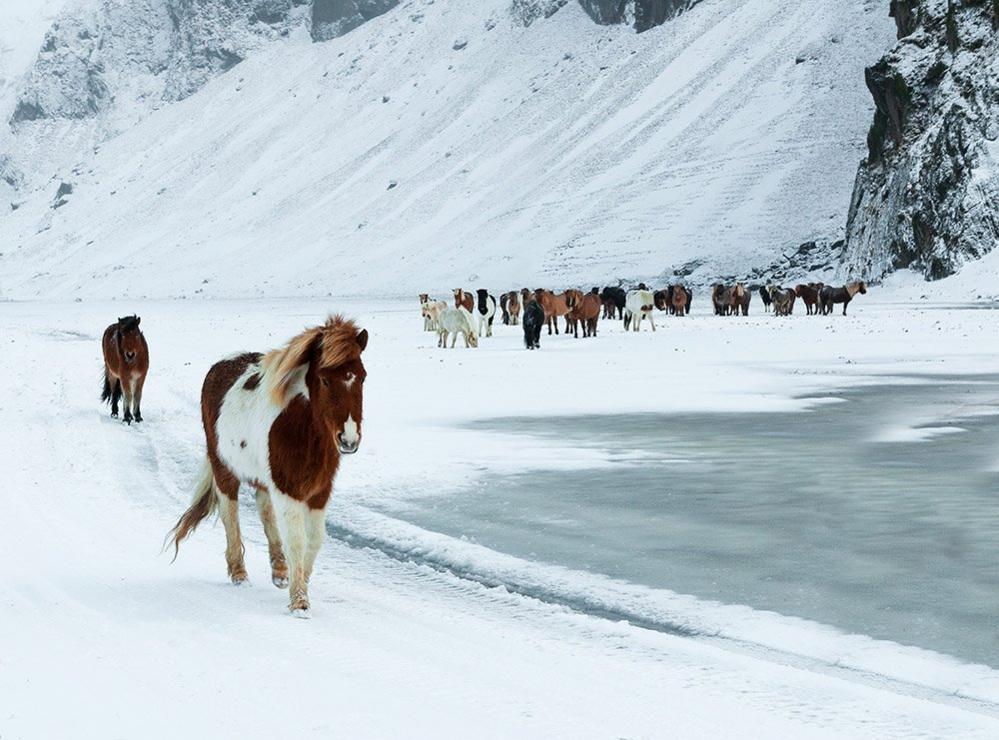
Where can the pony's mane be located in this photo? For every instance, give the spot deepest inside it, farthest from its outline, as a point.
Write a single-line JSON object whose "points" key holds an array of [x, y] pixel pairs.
{"points": [[128, 323], [283, 367]]}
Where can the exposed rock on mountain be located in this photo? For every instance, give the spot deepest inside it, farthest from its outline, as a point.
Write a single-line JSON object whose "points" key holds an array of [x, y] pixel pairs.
{"points": [[927, 195], [332, 18], [642, 14]]}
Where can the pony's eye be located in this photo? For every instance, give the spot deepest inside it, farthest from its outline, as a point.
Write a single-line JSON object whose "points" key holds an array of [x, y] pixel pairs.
{"points": [[326, 382]]}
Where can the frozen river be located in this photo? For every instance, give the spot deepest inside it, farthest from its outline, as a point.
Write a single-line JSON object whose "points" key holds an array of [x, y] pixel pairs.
{"points": [[875, 512]]}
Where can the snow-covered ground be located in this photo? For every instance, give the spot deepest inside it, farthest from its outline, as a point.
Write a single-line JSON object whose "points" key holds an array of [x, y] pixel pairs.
{"points": [[103, 636], [444, 142]]}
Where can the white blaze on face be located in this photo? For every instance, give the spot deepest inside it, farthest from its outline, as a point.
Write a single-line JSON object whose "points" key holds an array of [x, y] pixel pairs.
{"points": [[351, 433]]}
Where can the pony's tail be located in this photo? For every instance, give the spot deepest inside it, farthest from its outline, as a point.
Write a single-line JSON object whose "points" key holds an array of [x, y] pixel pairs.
{"points": [[110, 394], [201, 508]]}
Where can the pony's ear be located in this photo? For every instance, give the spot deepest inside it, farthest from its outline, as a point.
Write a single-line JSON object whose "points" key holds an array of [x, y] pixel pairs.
{"points": [[362, 339], [138, 320], [120, 319]]}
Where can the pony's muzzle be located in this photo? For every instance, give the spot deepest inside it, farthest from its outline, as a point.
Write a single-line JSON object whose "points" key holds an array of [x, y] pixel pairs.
{"points": [[129, 356], [347, 446]]}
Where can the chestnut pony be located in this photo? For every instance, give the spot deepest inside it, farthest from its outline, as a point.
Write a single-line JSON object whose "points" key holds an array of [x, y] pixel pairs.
{"points": [[586, 312], [280, 422], [126, 363], [554, 306]]}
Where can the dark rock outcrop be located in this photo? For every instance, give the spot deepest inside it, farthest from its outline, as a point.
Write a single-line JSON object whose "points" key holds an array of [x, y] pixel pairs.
{"points": [[643, 14], [927, 195], [332, 18]]}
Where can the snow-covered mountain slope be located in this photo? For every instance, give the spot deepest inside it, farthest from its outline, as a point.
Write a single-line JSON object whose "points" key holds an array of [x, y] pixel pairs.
{"points": [[445, 143]]}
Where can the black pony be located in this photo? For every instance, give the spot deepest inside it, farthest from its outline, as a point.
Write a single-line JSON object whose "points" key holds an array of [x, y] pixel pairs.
{"points": [[613, 299], [765, 295], [534, 319]]}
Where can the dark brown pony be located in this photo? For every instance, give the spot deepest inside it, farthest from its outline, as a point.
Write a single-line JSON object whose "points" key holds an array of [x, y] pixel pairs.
{"points": [[464, 298], [829, 295], [721, 299], [809, 294], [126, 363], [587, 312], [279, 423]]}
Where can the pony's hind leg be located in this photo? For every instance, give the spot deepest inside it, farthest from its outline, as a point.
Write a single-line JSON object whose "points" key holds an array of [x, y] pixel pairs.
{"points": [[115, 395], [229, 514], [279, 566]]}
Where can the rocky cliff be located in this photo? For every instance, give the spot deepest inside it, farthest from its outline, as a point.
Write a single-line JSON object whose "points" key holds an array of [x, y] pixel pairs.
{"points": [[927, 195]]}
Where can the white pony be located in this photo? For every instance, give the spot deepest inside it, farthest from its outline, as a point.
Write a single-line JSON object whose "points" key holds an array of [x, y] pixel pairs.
{"points": [[456, 321], [432, 311], [424, 302], [638, 304]]}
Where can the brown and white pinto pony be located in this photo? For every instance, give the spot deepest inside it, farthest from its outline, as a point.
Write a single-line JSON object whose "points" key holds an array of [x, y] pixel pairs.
{"points": [[513, 308], [280, 422], [464, 298], [126, 364]]}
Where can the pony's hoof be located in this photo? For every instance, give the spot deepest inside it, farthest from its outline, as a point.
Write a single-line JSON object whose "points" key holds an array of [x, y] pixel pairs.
{"points": [[300, 612], [114, 414], [240, 579], [280, 581], [138, 419]]}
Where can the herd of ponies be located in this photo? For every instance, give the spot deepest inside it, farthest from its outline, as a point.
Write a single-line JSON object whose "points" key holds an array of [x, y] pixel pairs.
{"points": [[472, 314]]}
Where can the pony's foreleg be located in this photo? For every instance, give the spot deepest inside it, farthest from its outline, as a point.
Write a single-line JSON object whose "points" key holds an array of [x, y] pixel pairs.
{"points": [[137, 397], [279, 566], [315, 526], [652, 322], [229, 514], [127, 387], [291, 520]]}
